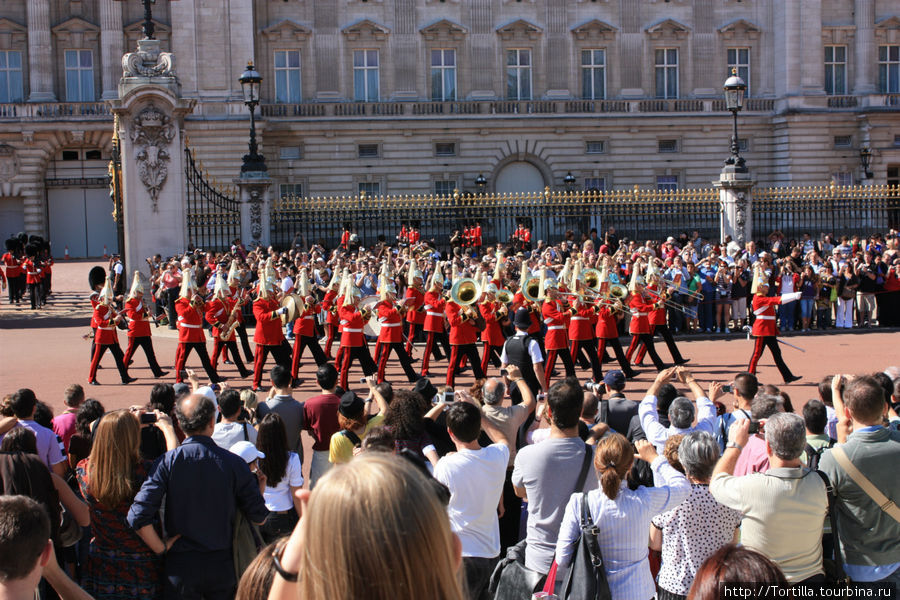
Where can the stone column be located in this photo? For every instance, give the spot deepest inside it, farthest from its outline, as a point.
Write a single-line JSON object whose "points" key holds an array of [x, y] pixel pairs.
{"points": [[256, 201], [151, 114], [737, 207], [40, 63], [864, 80], [112, 47]]}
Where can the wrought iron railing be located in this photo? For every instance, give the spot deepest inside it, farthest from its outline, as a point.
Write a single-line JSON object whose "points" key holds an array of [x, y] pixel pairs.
{"points": [[213, 212]]}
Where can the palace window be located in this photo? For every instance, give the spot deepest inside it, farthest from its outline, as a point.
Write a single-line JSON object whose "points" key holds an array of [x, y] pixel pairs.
{"points": [[666, 183], [443, 75], [287, 76], [595, 184], [842, 178], [666, 72], [518, 74], [289, 190], [593, 74], [79, 76], [370, 188], [444, 187], [365, 76], [835, 70], [11, 76], [889, 69], [739, 59]]}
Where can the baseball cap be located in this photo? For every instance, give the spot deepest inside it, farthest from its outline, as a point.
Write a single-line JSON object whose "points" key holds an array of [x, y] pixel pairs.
{"points": [[247, 451], [614, 379]]}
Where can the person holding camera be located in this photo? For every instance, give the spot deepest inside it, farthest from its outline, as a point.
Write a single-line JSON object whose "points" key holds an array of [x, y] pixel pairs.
{"points": [[847, 283], [871, 278]]}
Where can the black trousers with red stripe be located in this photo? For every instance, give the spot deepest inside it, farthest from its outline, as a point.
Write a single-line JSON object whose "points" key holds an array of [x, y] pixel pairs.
{"points": [[432, 349], [666, 334], [647, 340], [181, 355], [300, 344], [469, 351], [116, 351], [402, 354], [771, 342], [245, 343], [566, 357], [490, 354], [619, 352], [329, 338], [145, 342], [223, 348], [281, 353], [361, 355], [588, 349]]}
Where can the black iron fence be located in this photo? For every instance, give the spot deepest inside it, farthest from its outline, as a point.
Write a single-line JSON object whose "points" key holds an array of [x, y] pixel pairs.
{"points": [[213, 216]]}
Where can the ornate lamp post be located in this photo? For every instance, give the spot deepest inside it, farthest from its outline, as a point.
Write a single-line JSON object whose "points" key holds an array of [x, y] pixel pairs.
{"points": [[569, 181], [865, 158], [481, 183], [250, 80], [734, 101]]}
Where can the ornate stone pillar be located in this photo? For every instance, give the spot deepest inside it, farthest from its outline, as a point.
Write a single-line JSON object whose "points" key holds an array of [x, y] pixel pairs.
{"points": [[256, 201], [151, 114], [864, 17], [112, 47], [735, 198], [40, 63]]}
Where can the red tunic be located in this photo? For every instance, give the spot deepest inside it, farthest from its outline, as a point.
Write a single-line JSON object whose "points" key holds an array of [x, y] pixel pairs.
{"points": [[478, 236], [518, 302], [269, 331], [657, 315], [32, 271], [606, 324], [106, 326], [305, 325], [352, 326], [492, 332], [190, 321], [462, 331], [328, 302], [238, 293], [391, 323], [217, 313], [345, 239], [95, 301], [434, 312], [415, 314], [640, 312], [556, 326], [580, 327], [764, 309], [414, 236], [13, 266], [138, 324]]}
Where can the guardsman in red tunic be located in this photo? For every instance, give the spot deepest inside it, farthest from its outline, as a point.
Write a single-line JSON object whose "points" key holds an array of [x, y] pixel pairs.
{"points": [[241, 295], [15, 274], [403, 236], [415, 304], [353, 343], [466, 237], [658, 324], [526, 239], [765, 330], [345, 238], [610, 311], [435, 320], [639, 327], [534, 308], [269, 334], [556, 342], [496, 315], [330, 306], [390, 337], [191, 308], [477, 237], [305, 327], [581, 335], [32, 266], [222, 313], [138, 315], [465, 321], [106, 318]]}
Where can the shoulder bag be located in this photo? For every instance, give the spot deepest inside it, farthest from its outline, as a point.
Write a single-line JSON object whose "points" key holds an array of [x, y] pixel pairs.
{"points": [[511, 579], [883, 502], [834, 568], [587, 578]]}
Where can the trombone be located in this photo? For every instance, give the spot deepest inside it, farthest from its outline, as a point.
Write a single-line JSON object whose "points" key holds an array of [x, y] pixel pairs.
{"points": [[668, 303]]}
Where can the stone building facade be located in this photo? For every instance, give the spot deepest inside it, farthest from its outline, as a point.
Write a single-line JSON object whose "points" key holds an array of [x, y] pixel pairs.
{"points": [[422, 96]]}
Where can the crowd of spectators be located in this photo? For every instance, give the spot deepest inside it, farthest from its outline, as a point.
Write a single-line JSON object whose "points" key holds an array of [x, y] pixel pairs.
{"points": [[201, 494]]}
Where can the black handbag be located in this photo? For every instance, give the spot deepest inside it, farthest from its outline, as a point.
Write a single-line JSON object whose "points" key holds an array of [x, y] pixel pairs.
{"points": [[834, 568], [586, 578], [511, 579]]}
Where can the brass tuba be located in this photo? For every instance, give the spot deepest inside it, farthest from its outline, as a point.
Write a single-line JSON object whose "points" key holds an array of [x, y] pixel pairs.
{"points": [[531, 289], [590, 278], [465, 291], [504, 296], [618, 291]]}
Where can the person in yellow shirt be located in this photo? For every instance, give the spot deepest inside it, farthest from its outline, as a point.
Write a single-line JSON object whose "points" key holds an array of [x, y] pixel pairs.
{"points": [[355, 422]]}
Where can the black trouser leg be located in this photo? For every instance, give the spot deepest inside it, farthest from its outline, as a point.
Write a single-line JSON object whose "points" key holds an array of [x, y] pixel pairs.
{"points": [[32, 293], [568, 363], [666, 334], [590, 346], [315, 349], [362, 356], [282, 354], [512, 513], [620, 356], [117, 353], [772, 342], [171, 296], [200, 349], [146, 343], [471, 352], [444, 340], [236, 358], [647, 340], [245, 342]]}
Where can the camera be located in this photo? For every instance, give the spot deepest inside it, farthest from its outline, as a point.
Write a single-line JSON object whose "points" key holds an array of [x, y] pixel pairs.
{"points": [[754, 426], [448, 396], [728, 389], [147, 418]]}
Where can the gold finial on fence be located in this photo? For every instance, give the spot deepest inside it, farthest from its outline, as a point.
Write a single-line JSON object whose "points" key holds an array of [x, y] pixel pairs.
{"points": [[455, 194]]}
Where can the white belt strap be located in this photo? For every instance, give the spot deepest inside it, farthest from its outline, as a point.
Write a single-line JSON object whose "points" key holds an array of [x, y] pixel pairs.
{"points": [[107, 328], [434, 314], [190, 325], [760, 311], [352, 330], [310, 317], [580, 319], [391, 324], [765, 317], [553, 327], [639, 314]]}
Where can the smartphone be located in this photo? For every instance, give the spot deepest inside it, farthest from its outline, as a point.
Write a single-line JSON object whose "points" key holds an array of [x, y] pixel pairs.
{"points": [[183, 374], [448, 396], [215, 387], [727, 389], [147, 418], [754, 426], [362, 380]]}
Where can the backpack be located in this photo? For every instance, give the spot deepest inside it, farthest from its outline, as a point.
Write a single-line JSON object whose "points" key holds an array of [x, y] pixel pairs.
{"points": [[813, 456]]}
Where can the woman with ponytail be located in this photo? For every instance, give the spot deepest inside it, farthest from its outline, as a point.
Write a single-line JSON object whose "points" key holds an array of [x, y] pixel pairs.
{"points": [[622, 515]]}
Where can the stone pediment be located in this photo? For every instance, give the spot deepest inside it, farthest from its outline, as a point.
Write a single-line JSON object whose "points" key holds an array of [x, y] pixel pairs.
{"points": [[76, 32], [157, 27], [8, 26], [286, 30], [366, 30], [595, 28], [888, 23], [519, 29], [668, 28], [443, 29]]}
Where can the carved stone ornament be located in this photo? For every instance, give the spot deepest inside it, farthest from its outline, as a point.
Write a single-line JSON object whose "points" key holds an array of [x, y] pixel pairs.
{"points": [[740, 229], [255, 217], [9, 165], [151, 133], [148, 61]]}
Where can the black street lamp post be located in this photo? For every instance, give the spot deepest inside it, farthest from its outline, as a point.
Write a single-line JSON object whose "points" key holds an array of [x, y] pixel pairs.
{"points": [[250, 80], [569, 181], [481, 183], [734, 101], [865, 157]]}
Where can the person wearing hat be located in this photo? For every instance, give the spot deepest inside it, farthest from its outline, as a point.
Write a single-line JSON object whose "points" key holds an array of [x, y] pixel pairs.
{"points": [[190, 308], [139, 326], [269, 334], [607, 329], [221, 312], [305, 326], [415, 304], [32, 267], [556, 342], [465, 321], [641, 304], [496, 316], [764, 329], [330, 304], [15, 274], [390, 337], [242, 295], [582, 337], [658, 323], [353, 343], [105, 319], [355, 425], [522, 351], [435, 322]]}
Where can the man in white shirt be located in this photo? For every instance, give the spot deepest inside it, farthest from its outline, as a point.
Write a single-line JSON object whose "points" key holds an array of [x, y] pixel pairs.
{"points": [[474, 476], [232, 429], [681, 411]]}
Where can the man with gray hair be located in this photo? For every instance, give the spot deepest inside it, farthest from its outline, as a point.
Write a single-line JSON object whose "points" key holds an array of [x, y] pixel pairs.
{"points": [[784, 508], [681, 411]]}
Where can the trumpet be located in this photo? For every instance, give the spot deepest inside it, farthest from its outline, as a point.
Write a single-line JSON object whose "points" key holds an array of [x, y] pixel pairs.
{"points": [[662, 301]]}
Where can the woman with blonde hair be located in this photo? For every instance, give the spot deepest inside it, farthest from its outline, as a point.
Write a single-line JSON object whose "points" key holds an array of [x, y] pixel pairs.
{"points": [[622, 515], [373, 528], [120, 565]]}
